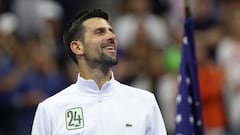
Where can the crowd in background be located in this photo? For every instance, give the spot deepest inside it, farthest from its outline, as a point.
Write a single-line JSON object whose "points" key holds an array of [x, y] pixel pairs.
{"points": [[34, 64]]}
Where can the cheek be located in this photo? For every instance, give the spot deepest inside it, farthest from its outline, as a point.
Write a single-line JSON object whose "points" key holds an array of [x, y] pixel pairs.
{"points": [[93, 45], [91, 50], [94, 42]]}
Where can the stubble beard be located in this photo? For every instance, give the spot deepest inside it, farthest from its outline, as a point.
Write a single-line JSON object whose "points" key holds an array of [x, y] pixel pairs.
{"points": [[104, 62], [108, 60]]}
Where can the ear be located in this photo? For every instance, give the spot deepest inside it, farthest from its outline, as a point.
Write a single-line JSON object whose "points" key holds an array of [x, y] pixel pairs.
{"points": [[77, 47]]}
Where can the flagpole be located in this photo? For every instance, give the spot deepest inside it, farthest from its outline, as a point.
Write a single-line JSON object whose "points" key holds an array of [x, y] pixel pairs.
{"points": [[187, 8]]}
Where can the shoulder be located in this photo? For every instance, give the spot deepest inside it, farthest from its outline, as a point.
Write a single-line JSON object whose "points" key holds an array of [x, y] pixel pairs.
{"points": [[136, 93], [59, 97]]}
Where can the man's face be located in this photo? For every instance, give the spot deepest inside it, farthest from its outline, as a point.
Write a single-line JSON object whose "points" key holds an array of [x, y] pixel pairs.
{"points": [[100, 46]]}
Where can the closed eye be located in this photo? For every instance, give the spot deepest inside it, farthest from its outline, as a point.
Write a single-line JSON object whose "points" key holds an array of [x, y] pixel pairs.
{"points": [[110, 29], [100, 31]]}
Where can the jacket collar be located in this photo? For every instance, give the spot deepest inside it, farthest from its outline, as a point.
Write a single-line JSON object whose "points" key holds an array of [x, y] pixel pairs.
{"points": [[90, 87]]}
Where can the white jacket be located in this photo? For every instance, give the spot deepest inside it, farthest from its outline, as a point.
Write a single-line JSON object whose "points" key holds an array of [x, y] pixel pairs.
{"points": [[83, 109]]}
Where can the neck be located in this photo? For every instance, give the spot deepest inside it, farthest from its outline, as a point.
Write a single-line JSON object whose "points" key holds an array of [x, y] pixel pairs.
{"points": [[97, 75]]}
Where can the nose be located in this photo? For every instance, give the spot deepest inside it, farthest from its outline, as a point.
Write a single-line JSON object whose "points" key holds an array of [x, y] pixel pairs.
{"points": [[111, 36]]}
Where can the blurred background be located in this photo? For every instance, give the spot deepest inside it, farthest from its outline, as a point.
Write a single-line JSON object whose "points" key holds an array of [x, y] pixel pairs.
{"points": [[34, 64]]}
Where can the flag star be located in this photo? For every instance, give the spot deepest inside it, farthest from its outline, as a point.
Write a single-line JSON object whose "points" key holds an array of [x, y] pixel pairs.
{"points": [[188, 81], [178, 118], [197, 103], [191, 119], [199, 123], [179, 98], [189, 99], [179, 78], [185, 40]]}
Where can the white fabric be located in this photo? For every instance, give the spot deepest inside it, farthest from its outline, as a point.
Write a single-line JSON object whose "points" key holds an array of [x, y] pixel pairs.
{"points": [[116, 109]]}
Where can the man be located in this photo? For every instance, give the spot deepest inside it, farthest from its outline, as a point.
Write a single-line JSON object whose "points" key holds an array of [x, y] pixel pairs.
{"points": [[97, 104]]}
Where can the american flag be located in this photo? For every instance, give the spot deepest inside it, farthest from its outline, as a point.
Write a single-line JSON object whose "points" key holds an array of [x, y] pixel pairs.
{"points": [[189, 114]]}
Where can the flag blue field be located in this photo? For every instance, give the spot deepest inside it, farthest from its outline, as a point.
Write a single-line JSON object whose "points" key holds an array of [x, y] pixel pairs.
{"points": [[189, 113]]}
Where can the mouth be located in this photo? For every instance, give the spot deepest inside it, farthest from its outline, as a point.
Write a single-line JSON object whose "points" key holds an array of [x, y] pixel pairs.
{"points": [[110, 48]]}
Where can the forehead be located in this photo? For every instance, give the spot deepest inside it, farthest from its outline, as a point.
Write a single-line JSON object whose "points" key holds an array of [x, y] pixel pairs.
{"points": [[95, 22]]}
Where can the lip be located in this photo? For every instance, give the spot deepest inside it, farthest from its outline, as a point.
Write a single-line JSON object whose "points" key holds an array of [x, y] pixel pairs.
{"points": [[110, 47]]}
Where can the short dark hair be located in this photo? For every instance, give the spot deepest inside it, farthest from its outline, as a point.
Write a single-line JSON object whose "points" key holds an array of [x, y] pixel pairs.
{"points": [[75, 30]]}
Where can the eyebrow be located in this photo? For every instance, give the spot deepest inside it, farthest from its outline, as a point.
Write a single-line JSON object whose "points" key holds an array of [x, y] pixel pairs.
{"points": [[104, 28]]}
